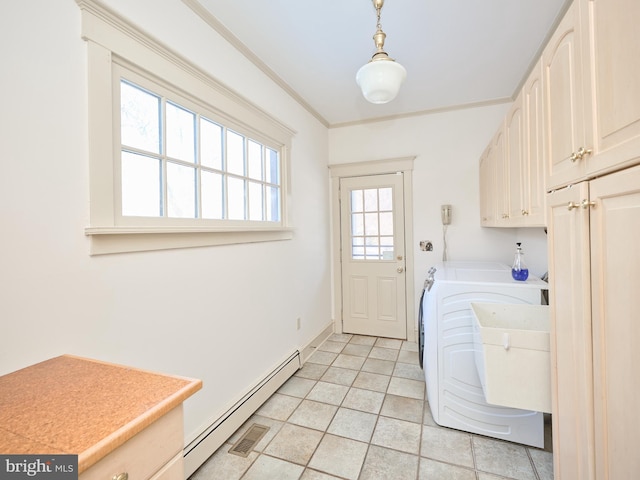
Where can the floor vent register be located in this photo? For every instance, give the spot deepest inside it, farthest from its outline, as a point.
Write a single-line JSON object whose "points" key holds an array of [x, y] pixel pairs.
{"points": [[245, 445]]}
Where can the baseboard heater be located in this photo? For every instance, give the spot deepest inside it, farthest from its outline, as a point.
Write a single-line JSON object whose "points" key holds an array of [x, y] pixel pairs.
{"points": [[198, 451]]}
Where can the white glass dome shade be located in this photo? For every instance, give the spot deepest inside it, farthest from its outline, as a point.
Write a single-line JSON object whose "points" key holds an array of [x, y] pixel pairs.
{"points": [[380, 79]]}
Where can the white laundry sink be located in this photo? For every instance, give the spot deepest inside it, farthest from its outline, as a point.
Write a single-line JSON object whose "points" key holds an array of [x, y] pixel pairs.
{"points": [[511, 346]]}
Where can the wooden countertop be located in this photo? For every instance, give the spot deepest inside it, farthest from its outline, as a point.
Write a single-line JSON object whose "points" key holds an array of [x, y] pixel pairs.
{"points": [[84, 407]]}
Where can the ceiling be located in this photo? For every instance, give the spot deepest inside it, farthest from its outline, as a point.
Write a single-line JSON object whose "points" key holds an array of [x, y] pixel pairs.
{"points": [[457, 52]]}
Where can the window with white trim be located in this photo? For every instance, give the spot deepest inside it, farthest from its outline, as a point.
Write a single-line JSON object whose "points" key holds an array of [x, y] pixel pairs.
{"points": [[176, 159], [177, 162]]}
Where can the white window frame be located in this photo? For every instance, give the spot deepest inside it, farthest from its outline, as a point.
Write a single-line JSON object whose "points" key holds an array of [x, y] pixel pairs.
{"points": [[113, 44]]}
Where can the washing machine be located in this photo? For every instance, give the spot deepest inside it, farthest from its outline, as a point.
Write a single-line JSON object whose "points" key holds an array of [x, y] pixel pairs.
{"points": [[446, 348]]}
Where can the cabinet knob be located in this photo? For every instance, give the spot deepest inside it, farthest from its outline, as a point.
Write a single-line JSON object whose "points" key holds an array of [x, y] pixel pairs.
{"points": [[121, 476], [400, 270], [586, 204], [571, 206], [580, 154], [525, 213]]}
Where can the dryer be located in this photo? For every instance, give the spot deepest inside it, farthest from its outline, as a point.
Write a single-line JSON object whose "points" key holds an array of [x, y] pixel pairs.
{"points": [[454, 390]]}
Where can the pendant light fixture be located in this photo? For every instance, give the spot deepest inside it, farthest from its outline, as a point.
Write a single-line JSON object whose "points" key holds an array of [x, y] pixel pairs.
{"points": [[381, 77]]}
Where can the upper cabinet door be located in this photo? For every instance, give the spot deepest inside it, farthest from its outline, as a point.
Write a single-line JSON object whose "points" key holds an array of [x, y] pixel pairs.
{"points": [[501, 176], [533, 165], [514, 129], [614, 67], [487, 188], [564, 111]]}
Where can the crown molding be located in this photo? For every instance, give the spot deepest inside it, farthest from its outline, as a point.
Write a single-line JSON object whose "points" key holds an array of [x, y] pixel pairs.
{"points": [[225, 33]]}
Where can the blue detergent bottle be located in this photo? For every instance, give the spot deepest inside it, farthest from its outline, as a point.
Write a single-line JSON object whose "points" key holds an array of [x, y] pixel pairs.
{"points": [[519, 271]]}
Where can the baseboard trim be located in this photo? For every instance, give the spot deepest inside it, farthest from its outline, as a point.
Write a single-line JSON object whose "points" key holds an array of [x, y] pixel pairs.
{"points": [[214, 436], [318, 340]]}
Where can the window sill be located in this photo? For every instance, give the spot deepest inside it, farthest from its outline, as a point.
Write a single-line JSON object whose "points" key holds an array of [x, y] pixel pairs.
{"points": [[107, 240]]}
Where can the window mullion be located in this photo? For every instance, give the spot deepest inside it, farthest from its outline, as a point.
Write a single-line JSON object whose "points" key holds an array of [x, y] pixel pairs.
{"points": [[247, 192], [163, 157], [263, 180], [198, 160], [225, 176]]}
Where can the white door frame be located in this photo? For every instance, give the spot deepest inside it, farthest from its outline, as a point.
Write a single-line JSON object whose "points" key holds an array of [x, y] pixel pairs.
{"points": [[377, 167]]}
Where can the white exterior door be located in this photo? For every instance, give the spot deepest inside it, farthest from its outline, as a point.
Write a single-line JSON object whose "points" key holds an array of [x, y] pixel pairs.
{"points": [[373, 255]]}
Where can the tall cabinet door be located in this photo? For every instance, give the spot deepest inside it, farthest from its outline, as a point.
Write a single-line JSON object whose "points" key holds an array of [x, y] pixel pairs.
{"points": [[563, 97], [615, 71], [615, 263], [571, 354]]}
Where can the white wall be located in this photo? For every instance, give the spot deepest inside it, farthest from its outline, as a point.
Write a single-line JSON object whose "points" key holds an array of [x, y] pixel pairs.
{"points": [[447, 147], [225, 314]]}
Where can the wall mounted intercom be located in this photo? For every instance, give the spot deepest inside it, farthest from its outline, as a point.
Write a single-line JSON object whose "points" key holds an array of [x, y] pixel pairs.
{"points": [[445, 210]]}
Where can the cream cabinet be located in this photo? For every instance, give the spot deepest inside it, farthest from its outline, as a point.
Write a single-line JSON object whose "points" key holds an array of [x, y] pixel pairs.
{"points": [[512, 192], [501, 166], [615, 262], [525, 186], [592, 110], [154, 454], [494, 200], [612, 67], [571, 339], [120, 421], [532, 208], [594, 257], [565, 112], [487, 188], [512, 187]]}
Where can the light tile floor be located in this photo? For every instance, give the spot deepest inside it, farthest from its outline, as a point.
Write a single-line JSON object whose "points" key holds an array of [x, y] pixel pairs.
{"points": [[357, 410]]}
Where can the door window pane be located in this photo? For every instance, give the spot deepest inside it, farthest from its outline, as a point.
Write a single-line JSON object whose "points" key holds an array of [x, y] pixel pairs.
{"points": [[372, 224], [385, 196], [357, 224], [372, 248], [371, 200], [357, 247], [386, 246], [386, 223], [357, 202]]}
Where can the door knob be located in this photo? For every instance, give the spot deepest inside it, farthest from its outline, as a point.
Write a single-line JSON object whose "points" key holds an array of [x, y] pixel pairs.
{"points": [[400, 270]]}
